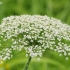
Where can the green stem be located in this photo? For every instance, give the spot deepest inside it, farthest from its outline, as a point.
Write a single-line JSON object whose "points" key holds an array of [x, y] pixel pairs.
{"points": [[26, 67]]}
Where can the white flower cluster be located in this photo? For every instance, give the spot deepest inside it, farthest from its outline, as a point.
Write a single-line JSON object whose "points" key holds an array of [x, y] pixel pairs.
{"points": [[35, 34]]}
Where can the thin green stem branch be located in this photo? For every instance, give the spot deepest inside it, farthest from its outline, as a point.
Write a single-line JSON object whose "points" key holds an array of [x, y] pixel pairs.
{"points": [[26, 67]]}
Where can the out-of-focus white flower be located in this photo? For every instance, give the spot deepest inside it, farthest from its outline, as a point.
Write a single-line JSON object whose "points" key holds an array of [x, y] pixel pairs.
{"points": [[34, 34]]}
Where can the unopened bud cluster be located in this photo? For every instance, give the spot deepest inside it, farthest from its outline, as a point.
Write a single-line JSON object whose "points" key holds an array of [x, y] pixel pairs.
{"points": [[34, 34]]}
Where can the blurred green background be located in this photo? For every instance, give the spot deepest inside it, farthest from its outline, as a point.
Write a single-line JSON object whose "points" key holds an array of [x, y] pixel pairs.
{"points": [[59, 9]]}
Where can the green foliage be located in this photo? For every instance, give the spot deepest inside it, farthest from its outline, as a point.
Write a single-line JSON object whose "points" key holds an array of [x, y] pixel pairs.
{"points": [[55, 8]]}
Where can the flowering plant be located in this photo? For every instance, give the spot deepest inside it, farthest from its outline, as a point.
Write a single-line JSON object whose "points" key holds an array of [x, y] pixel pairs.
{"points": [[35, 34]]}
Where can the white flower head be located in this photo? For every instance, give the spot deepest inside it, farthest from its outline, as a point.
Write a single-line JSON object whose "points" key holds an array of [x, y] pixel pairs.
{"points": [[34, 34]]}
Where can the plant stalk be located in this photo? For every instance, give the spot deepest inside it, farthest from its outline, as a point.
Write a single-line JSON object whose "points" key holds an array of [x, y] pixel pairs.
{"points": [[26, 66]]}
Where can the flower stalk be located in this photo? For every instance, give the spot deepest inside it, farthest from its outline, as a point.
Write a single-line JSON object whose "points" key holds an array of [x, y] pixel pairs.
{"points": [[27, 65]]}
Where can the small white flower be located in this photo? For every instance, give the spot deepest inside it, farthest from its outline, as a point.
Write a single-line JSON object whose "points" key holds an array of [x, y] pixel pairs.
{"points": [[38, 59], [60, 54], [67, 58]]}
